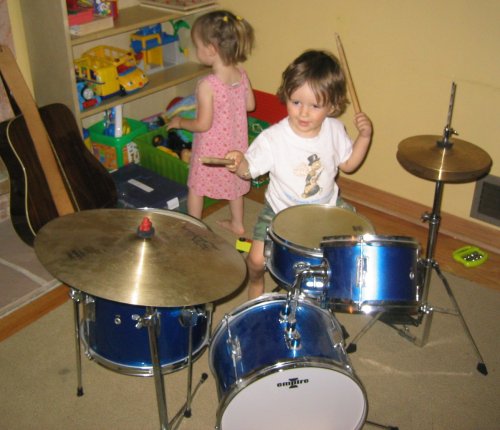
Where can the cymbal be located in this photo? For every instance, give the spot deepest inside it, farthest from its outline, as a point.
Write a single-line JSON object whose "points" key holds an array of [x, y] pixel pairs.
{"points": [[461, 162], [100, 253]]}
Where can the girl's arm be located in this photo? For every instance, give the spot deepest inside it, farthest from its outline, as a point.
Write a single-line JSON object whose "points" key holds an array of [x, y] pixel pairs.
{"points": [[204, 112], [250, 101], [361, 144]]}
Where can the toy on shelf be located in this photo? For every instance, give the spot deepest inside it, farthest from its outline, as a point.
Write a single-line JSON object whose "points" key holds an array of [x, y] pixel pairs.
{"points": [[158, 49], [110, 71], [114, 123], [106, 8], [86, 95]]}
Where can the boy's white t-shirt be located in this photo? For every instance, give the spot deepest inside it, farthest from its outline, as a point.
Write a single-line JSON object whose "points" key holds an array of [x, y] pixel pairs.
{"points": [[301, 170]]}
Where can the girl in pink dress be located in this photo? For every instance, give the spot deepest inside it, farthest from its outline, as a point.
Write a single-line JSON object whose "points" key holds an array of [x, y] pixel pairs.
{"points": [[222, 41]]}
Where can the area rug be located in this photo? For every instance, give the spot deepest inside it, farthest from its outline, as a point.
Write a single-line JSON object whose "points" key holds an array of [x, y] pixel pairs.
{"points": [[434, 387], [22, 277]]}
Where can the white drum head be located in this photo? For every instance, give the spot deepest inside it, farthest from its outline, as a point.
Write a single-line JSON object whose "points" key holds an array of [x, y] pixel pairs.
{"points": [[307, 225], [297, 399]]}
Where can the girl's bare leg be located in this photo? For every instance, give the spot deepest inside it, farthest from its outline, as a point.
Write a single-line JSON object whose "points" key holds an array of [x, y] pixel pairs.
{"points": [[235, 224], [194, 204]]}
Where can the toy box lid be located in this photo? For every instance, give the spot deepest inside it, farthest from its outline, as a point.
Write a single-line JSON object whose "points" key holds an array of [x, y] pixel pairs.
{"points": [[140, 187]]}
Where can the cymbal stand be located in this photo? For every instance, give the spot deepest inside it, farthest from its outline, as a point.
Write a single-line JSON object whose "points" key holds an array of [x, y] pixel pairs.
{"points": [[189, 318], [426, 311], [76, 296], [425, 315], [151, 321]]}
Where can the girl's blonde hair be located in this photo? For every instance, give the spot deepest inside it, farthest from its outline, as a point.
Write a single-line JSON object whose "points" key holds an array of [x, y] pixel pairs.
{"points": [[231, 35], [322, 71]]}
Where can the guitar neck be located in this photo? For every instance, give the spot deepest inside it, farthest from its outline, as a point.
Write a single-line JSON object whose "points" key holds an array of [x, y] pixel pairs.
{"points": [[22, 95]]}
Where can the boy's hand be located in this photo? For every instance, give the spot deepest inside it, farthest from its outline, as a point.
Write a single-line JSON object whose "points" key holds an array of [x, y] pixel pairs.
{"points": [[363, 124], [237, 157]]}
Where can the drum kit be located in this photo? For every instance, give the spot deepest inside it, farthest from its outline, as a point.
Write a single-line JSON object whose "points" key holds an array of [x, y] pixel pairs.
{"points": [[147, 279]]}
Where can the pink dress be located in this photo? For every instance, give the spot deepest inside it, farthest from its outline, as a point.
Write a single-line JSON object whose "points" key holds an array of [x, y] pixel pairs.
{"points": [[229, 131]]}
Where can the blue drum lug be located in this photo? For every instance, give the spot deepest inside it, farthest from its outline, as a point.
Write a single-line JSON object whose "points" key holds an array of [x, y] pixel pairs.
{"points": [[235, 348], [89, 309], [117, 320], [360, 271], [268, 248], [336, 337], [293, 340]]}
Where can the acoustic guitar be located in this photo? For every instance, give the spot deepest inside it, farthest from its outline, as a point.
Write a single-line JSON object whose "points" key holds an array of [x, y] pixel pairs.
{"points": [[51, 171]]}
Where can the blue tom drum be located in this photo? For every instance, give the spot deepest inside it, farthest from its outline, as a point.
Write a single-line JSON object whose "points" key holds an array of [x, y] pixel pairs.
{"points": [[373, 273]]}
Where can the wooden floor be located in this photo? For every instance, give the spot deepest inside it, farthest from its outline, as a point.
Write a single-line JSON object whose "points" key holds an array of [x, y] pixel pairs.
{"points": [[488, 274]]}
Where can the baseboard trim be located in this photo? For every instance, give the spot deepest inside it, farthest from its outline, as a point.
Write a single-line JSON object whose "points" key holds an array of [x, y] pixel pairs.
{"points": [[22, 317], [470, 232]]}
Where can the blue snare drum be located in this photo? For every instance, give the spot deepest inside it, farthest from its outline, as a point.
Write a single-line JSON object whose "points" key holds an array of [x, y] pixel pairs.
{"points": [[295, 235], [115, 340], [373, 273], [267, 381]]}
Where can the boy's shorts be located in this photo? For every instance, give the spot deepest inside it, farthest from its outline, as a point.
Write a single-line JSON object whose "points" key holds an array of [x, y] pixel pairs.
{"points": [[267, 214]]}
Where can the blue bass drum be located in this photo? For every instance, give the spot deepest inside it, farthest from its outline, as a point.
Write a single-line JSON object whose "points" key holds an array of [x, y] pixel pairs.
{"points": [[373, 273], [265, 380], [295, 235], [115, 338]]}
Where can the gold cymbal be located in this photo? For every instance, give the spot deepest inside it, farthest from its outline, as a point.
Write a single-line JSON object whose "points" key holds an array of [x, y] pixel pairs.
{"points": [[99, 252], [424, 157]]}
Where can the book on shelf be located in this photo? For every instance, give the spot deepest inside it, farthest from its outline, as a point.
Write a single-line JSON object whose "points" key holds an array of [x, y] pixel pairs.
{"points": [[97, 24]]}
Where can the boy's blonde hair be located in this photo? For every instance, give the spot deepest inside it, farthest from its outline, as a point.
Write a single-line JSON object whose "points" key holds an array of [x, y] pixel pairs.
{"points": [[322, 71], [231, 35]]}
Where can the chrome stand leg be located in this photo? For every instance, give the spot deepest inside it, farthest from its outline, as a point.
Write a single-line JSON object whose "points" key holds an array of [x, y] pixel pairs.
{"points": [[178, 417], [76, 296], [151, 321], [352, 346], [189, 317], [481, 367], [380, 426]]}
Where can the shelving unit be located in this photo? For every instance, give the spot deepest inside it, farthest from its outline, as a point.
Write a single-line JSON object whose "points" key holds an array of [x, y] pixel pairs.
{"points": [[52, 50]]}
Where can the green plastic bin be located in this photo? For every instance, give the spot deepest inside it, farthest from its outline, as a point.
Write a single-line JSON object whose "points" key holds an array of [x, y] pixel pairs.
{"points": [[162, 163]]}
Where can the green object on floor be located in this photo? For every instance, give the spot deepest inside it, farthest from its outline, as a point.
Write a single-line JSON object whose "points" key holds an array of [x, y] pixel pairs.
{"points": [[470, 256]]}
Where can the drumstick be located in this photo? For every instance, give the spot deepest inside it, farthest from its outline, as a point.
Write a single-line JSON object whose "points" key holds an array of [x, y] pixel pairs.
{"points": [[350, 84], [214, 160]]}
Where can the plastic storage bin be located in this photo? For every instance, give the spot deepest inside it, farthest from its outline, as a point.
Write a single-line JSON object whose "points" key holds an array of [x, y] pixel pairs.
{"points": [[162, 163], [115, 152]]}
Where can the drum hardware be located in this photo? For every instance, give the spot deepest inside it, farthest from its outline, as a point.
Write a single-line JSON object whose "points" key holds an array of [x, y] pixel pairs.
{"points": [[234, 347], [77, 297], [189, 318], [440, 160], [126, 265], [288, 314]]}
